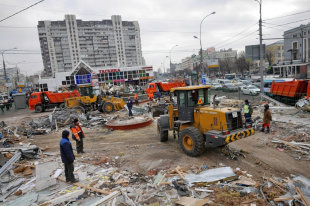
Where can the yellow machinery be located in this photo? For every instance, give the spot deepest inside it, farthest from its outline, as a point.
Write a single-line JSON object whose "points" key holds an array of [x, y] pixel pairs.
{"points": [[88, 101], [199, 125]]}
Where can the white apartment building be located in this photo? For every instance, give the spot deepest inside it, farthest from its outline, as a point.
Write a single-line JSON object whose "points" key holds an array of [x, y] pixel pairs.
{"points": [[105, 43]]}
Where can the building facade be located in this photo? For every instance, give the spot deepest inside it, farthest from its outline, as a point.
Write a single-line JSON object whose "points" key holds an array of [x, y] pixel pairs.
{"points": [[296, 62], [84, 74], [275, 52], [106, 43]]}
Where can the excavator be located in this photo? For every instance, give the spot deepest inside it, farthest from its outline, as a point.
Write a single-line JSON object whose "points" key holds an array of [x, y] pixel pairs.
{"points": [[89, 101], [197, 124]]}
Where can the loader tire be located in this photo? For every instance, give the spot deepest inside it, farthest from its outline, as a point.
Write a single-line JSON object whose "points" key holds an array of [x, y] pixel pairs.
{"points": [[108, 107], [39, 108], [163, 134], [192, 142], [79, 109]]}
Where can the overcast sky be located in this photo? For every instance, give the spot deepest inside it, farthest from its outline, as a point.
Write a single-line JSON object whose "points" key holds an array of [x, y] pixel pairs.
{"points": [[163, 24]]}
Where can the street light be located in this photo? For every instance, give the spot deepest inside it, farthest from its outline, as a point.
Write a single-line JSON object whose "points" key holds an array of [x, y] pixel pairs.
{"points": [[164, 61], [17, 72], [4, 69], [170, 54], [201, 60]]}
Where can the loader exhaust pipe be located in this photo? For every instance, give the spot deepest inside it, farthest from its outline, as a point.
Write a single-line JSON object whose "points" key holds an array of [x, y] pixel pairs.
{"points": [[214, 101]]}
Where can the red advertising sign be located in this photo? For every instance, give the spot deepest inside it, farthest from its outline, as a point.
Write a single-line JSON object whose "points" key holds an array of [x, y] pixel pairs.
{"points": [[119, 80], [109, 71]]}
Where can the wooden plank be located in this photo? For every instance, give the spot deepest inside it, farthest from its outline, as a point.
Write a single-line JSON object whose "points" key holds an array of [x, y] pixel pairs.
{"points": [[106, 198], [161, 179], [276, 183], [280, 199], [104, 192], [180, 173], [302, 197]]}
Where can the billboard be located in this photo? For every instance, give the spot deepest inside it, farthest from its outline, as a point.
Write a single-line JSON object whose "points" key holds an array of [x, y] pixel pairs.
{"points": [[252, 52], [213, 63]]}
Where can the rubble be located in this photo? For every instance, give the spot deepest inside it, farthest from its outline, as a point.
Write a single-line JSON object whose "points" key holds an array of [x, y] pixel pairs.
{"points": [[103, 180]]}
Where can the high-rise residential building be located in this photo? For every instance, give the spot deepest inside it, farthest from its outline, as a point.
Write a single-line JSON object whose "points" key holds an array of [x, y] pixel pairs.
{"points": [[105, 43]]}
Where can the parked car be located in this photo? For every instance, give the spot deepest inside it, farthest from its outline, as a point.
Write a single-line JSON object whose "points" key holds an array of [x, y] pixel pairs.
{"points": [[4, 98], [216, 86], [240, 85], [229, 87], [246, 82], [223, 81], [251, 90]]}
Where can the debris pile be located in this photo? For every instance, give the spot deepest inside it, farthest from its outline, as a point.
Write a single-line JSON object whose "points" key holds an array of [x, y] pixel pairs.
{"points": [[102, 182]]}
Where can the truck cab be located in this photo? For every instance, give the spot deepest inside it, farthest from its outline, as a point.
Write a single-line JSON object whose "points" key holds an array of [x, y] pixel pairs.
{"points": [[35, 99]]}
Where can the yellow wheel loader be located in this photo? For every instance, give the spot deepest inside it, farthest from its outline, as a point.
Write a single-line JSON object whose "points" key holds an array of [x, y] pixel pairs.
{"points": [[88, 101], [197, 124]]}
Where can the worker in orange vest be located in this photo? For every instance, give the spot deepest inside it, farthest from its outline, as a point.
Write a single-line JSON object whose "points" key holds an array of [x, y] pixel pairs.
{"points": [[77, 135], [136, 99]]}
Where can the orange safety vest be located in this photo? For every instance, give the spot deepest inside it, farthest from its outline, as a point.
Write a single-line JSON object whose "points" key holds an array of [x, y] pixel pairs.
{"points": [[77, 131], [136, 96]]}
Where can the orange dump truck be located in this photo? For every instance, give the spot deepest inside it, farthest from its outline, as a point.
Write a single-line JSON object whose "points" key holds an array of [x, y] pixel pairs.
{"points": [[291, 91], [162, 87], [40, 101]]}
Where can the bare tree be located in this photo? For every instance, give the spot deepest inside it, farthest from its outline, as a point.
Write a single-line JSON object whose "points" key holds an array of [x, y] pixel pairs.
{"points": [[227, 65], [270, 57], [241, 63]]}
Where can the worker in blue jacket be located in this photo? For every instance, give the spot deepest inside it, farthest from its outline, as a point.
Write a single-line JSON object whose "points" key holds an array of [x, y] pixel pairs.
{"points": [[67, 156], [129, 106]]}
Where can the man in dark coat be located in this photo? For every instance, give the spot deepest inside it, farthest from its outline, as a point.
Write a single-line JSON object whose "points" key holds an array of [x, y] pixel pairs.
{"points": [[67, 156], [129, 105]]}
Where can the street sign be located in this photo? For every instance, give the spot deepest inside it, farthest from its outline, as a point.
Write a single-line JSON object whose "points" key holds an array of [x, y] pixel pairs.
{"points": [[204, 79], [252, 52]]}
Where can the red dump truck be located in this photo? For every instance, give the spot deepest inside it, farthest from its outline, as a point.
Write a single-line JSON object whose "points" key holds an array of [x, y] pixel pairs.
{"points": [[162, 87], [40, 101], [291, 91]]}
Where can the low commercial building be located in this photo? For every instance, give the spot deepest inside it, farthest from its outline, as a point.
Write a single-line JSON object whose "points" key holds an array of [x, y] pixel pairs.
{"points": [[83, 74]]}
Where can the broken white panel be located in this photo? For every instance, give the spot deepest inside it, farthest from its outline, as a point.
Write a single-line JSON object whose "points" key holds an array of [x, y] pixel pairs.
{"points": [[210, 175], [57, 173], [65, 198], [44, 172]]}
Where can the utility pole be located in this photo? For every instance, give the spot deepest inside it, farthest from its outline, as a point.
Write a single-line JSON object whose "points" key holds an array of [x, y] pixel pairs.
{"points": [[261, 48], [4, 69]]}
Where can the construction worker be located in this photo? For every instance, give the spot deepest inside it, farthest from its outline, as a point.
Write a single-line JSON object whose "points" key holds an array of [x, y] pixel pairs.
{"points": [[247, 110], [67, 156], [129, 106], [136, 99], [77, 135], [267, 118]]}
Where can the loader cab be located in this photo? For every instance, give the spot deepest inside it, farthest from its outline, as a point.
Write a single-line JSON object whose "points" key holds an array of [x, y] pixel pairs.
{"points": [[188, 98], [87, 91]]}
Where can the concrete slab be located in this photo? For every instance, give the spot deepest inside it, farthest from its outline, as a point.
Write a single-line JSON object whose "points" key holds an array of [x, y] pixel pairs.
{"points": [[44, 174], [27, 199]]}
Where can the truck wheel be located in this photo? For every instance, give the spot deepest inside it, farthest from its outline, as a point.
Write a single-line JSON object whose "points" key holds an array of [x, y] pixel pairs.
{"points": [[191, 141], [62, 106], [163, 134], [39, 108], [108, 107]]}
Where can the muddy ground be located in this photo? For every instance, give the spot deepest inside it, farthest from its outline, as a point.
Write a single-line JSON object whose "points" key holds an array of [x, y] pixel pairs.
{"points": [[141, 151]]}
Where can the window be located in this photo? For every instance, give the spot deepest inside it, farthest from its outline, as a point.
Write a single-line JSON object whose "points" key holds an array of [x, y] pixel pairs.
{"points": [[33, 96], [182, 99]]}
